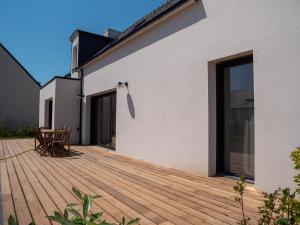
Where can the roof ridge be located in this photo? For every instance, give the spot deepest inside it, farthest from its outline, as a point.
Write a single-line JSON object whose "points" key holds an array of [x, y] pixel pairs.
{"points": [[152, 13], [22, 67], [151, 17]]}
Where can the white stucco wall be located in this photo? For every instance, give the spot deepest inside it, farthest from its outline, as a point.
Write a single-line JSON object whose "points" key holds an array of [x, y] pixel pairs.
{"points": [[19, 101], [63, 92], [170, 70], [67, 106], [47, 93]]}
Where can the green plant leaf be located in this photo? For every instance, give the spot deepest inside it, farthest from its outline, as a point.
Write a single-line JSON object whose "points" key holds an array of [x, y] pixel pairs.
{"points": [[74, 212], [96, 216], [134, 221], [57, 214], [96, 196], [77, 192], [78, 220], [12, 220], [66, 215], [90, 223], [123, 221], [72, 205], [105, 223], [54, 218], [87, 203], [60, 220]]}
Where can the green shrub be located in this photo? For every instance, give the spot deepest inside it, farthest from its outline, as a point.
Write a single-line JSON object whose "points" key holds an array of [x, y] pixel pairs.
{"points": [[28, 132], [281, 207], [13, 221], [296, 159], [240, 189], [74, 216], [21, 132]]}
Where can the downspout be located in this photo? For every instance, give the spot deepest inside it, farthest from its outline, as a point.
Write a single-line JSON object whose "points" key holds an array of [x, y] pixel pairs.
{"points": [[80, 105]]}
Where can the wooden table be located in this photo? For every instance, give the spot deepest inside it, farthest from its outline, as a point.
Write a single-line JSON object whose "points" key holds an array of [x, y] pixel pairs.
{"points": [[50, 132]]}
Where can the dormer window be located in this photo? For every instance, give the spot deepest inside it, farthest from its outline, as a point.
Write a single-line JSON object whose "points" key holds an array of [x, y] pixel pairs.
{"points": [[74, 56]]}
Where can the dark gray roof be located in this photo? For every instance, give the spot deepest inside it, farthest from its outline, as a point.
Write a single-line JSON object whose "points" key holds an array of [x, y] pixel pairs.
{"points": [[149, 16], [87, 33], [166, 8]]}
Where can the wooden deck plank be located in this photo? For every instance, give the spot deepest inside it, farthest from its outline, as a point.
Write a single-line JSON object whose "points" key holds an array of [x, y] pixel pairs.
{"points": [[56, 197], [36, 210], [122, 209], [8, 207], [65, 186], [168, 188], [205, 197], [166, 173], [105, 182], [33, 187], [168, 198], [157, 200], [79, 182], [46, 202], [21, 207]]}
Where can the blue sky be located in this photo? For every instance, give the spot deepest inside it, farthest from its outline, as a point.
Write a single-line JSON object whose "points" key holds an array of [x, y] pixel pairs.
{"points": [[37, 32]]}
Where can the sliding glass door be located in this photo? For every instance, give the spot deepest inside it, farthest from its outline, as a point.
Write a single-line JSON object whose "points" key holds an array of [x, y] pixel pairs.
{"points": [[103, 120], [236, 117]]}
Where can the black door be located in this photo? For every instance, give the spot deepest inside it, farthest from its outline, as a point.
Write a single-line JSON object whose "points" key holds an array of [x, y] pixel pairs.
{"points": [[50, 108], [235, 105], [103, 120]]}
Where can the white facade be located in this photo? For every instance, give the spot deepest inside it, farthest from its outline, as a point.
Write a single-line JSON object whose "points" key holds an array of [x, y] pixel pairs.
{"points": [[168, 114], [65, 111], [19, 93]]}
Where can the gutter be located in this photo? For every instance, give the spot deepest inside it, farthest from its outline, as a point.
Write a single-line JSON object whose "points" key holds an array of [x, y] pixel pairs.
{"points": [[80, 106]]}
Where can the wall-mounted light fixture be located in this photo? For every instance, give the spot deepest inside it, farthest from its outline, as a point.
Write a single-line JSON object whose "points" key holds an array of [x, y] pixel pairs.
{"points": [[123, 84]]}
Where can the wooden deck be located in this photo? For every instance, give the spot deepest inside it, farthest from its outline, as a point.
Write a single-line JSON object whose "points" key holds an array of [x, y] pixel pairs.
{"points": [[33, 187]]}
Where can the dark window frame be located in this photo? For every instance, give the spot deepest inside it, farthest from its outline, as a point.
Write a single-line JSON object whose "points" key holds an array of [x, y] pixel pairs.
{"points": [[50, 113], [93, 116], [220, 167]]}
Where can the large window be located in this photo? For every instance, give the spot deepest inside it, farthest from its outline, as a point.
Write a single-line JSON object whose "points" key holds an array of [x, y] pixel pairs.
{"points": [[236, 117], [103, 120]]}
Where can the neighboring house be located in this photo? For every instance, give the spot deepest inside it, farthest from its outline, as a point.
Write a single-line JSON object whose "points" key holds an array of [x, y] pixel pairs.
{"points": [[213, 87], [19, 91]]}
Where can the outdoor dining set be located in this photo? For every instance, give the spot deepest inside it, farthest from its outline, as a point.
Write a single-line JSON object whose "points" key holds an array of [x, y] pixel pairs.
{"points": [[51, 141]]}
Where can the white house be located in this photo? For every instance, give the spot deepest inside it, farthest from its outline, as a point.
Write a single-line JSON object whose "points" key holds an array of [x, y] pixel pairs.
{"points": [[19, 91], [208, 86]]}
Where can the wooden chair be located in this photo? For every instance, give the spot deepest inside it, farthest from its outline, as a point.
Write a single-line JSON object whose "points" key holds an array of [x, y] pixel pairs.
{"points": [[35, 134], [67, 137], [61, 138], [44, 145]]}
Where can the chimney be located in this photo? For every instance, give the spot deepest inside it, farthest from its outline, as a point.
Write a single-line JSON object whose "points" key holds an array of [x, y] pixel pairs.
{"points": [[111, 33]]}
